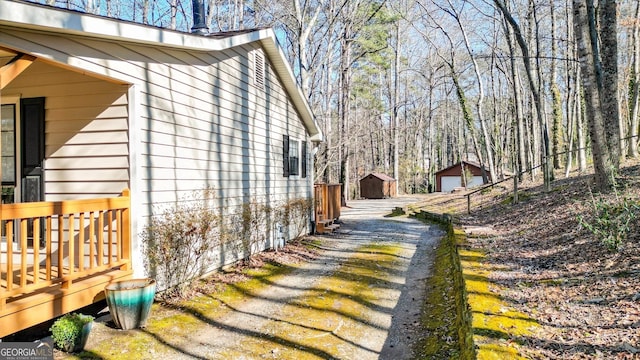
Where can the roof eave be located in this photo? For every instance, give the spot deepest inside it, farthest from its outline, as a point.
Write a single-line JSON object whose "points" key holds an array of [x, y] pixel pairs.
{"points": [[277, 57], [44, 18]]}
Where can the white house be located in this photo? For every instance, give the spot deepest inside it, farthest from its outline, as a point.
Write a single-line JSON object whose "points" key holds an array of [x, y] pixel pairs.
{"points": [[92, 106]]}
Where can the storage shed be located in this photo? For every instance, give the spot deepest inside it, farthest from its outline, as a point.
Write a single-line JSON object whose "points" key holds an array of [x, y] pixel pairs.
{"points": [[451, 178], [377, 186]]}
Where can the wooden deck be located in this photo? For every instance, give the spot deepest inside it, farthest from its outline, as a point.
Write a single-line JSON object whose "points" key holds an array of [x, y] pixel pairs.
{"points": [[84, 245]]}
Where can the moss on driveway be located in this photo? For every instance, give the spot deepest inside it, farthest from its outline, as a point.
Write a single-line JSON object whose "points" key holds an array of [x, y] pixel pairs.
{"points": [[336, 312], [328, 320]]}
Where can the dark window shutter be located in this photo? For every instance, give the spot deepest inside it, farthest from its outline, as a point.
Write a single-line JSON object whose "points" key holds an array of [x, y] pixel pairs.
{"points": [[285, 153], [32, 113], [32, 133], [304, 159]]}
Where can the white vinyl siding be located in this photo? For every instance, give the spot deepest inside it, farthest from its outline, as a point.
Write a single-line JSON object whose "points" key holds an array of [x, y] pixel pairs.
{"points": [[199, 122], [86, 127]]}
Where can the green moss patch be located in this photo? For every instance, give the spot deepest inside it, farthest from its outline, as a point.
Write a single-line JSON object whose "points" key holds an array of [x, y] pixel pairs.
{"points": [[497, 328], [326, 321], [444, 318], [321, 322], [171, 325]]}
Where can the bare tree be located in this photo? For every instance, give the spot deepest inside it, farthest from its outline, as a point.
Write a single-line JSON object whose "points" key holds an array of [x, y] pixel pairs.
{"points": [[634, 101], [556, 103], [524, 48], [608, 83], [586, 38]]}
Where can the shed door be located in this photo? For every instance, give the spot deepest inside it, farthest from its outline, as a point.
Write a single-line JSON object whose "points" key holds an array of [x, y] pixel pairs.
{"points": [[475, 181], [448, 183]]}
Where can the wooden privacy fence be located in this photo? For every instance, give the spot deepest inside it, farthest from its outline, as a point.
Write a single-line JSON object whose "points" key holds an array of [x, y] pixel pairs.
{"points": [[52, 248], [328, 201]]}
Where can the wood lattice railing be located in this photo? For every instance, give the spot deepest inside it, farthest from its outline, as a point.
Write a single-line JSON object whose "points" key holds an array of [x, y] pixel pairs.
{"points": [[50, 244]]}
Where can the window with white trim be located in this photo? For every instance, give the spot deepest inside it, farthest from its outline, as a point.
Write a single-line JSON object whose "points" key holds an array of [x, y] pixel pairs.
{"points": [[294, 157]]}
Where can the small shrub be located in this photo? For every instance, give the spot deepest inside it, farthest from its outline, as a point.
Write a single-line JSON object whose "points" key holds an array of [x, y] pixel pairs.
{"points": [[245, 229], [178, 243], [67, 330], [610, 220], [296, 214], [255, 217]]}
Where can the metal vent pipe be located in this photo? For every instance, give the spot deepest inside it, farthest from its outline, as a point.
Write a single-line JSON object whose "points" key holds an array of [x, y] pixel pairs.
{"points": [[199, 25]]}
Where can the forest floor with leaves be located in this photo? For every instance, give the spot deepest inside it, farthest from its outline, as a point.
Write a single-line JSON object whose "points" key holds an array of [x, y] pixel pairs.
{"points": [[545, 264]]}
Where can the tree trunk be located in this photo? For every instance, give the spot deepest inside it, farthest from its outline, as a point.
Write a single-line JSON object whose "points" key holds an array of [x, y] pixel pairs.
{"points": [[546, 148], [557, 128], [466, 114], [145, 12], [584, 24], [609, 83], [634, 112], [303, 32], [344, 106], [580, 125], [174, 13], [517, 103], [394, 109], [487, 140]]}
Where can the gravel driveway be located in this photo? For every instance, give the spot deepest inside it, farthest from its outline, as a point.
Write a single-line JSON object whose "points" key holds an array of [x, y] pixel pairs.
{"points": [[359, 299], [286, 320]]}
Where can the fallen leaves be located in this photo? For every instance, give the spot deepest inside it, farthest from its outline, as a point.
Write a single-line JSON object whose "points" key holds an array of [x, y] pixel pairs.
{"points": [[585, 297]]}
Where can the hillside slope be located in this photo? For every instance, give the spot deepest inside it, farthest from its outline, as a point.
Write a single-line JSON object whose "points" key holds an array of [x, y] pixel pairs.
{"points": [[545, 264]]}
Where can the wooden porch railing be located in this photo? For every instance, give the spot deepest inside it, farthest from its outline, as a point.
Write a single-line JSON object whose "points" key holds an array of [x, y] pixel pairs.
{"points": [[54, 244], [327, 207]]}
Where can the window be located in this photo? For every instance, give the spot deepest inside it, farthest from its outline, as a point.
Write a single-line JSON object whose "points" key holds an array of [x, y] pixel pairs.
{"points": [[295, 157], [8, 148]]}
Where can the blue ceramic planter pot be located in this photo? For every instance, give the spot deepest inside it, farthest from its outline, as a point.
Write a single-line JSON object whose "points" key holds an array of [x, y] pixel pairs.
{"points": [[130, 302]]}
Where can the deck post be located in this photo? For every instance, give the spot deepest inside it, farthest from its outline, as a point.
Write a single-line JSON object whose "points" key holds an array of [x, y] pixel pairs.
{"points": [[126, 231]]}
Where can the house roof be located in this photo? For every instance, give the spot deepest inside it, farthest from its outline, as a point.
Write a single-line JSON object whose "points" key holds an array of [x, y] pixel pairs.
{"points": [[45, 18], [469, 163], [381, 176]]}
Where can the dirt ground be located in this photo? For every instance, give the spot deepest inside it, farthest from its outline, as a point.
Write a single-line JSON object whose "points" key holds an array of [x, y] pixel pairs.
{"points": [[357, 297], [583, 297]]}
